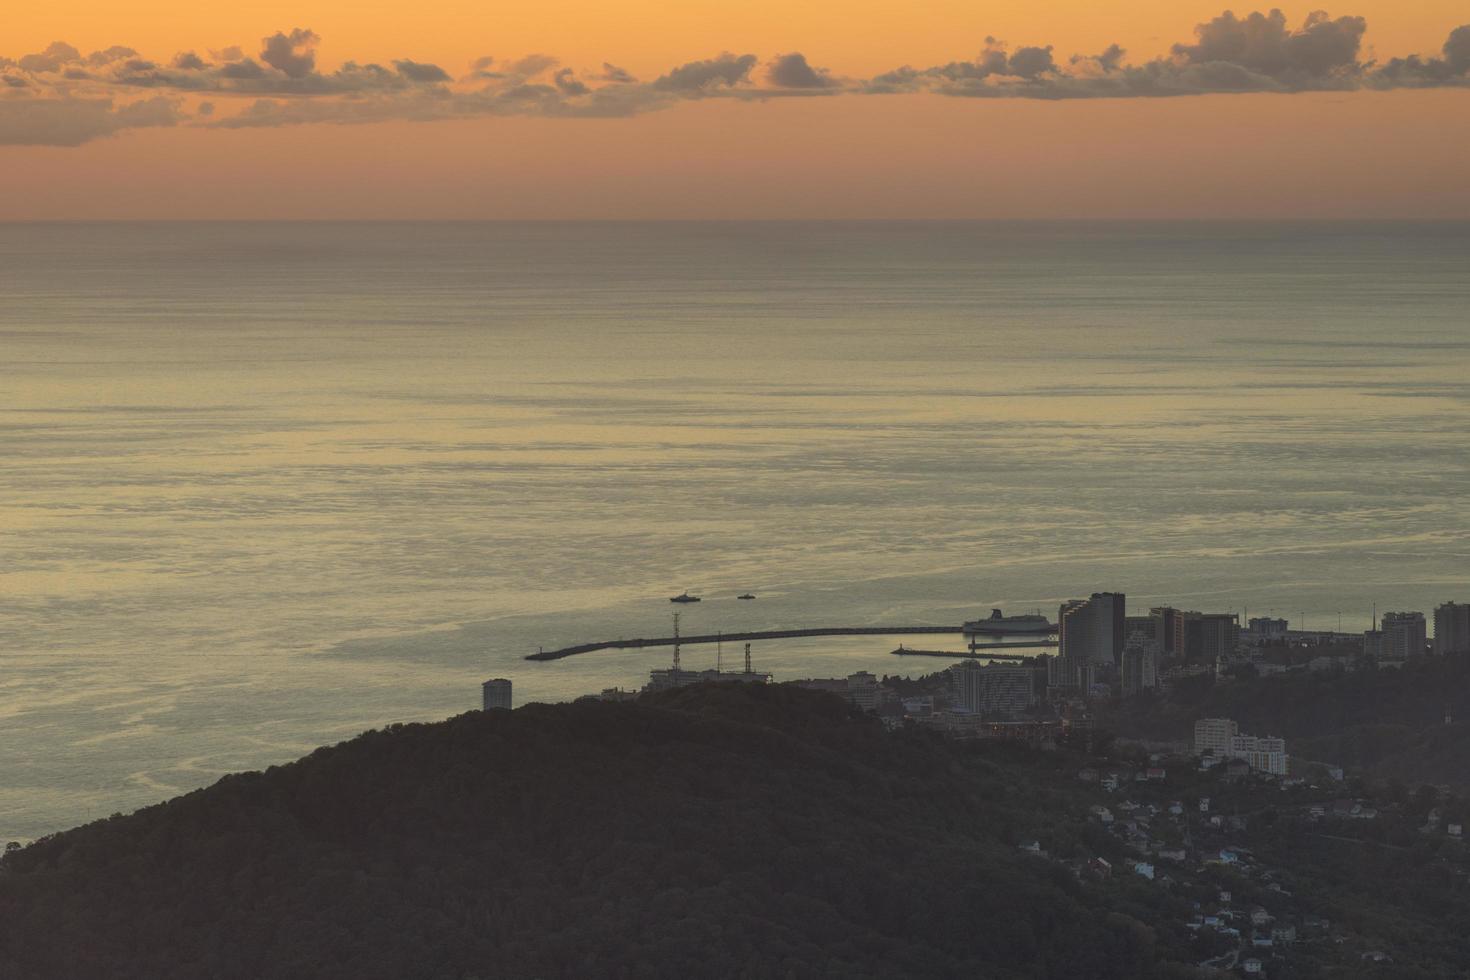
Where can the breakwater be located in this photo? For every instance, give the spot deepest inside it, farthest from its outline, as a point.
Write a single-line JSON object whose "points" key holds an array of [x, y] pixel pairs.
{"points": [[668, 641]]}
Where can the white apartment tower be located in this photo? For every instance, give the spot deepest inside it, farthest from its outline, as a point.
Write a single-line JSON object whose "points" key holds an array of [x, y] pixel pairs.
{"points": [[1212, 736]]}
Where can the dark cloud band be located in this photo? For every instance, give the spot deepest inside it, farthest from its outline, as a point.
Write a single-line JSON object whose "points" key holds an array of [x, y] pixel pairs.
{"points": [[61, 97]]}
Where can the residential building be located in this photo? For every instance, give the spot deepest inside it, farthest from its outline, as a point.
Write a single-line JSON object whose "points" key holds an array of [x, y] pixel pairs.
{"points": [[995, 690], [1212, 736], [1404, 635], [1148, 629], [1091, 629], [1452, 628], [1264, 753], [1266, 628], [864, 691], [1210, 636], [1171, 630], [496, 694], [1373, 643], [1140, 670], [1070, 674]]}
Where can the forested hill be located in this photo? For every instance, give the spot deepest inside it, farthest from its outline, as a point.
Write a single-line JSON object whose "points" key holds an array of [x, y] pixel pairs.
{"points": [[735, 831]]}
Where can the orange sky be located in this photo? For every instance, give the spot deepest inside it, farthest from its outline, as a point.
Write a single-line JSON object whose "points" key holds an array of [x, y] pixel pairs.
{"points": [[1317, 154]]}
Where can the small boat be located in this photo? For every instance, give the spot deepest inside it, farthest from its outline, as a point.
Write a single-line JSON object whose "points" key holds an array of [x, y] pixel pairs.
{"points": [[685, 597], [748, 595]]}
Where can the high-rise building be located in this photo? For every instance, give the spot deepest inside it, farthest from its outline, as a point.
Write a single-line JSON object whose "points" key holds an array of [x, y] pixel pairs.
{"points": [[1148, 628], [995, 690], [1373, 643], [496, 694], [1140, 669], [1212, 736], [1404, 635], [1452, 628], [1091, 630], [1070, 675], [1210, 636], [1171, 630]]}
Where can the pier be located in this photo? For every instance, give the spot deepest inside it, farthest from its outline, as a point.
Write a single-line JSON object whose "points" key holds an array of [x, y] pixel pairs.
{"points": [[668, 641], [974, 654]]}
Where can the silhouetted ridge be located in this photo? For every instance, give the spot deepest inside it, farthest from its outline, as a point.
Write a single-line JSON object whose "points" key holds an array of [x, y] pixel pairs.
{"points": [[730, 830]]}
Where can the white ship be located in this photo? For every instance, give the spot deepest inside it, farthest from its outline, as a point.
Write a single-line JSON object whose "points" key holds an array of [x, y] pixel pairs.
{"points": [[1003, 624]]}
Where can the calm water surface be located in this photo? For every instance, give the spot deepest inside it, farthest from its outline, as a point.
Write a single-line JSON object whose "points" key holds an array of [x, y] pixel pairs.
{"points": [[265, 486]]}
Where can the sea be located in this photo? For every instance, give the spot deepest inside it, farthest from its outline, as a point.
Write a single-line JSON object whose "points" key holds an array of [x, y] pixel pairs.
{"points": [[264, 486]]}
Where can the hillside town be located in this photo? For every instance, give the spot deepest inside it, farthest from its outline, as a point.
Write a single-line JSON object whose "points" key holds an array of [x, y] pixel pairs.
{"points": [[1105, 656]]}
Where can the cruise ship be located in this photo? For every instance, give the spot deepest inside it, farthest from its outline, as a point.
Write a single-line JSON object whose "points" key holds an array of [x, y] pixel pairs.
{"points": [[1001, 623]]}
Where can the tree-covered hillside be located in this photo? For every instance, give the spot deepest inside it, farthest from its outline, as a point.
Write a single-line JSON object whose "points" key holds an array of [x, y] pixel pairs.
{"points": [[737, 831]]}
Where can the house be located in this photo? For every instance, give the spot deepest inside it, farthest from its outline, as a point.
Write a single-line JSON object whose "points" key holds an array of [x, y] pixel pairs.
{"points": [[1110, 782], [1102, 813], [1224, 897], [1261, 940], [1454, 829], [1176, 808], [1032, 847], [1100, 867], [1260, 917], [1144, 870], [1376, 956], [1155, 773], [1204, 804], [1087, 775], [1176, 854], [1284, 935], [1252, 967]]}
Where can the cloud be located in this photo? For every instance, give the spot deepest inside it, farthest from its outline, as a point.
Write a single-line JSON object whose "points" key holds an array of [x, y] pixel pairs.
{"points": [[567, 84], [293, 54], [189, 61], [72, 122], [1321, 50], [532, 65], [698, 77], [792, 71], [87, 97], [1457, 50], [416, 72], [1417, 72], [57, 54], [106, 57], [1259, 52]]}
